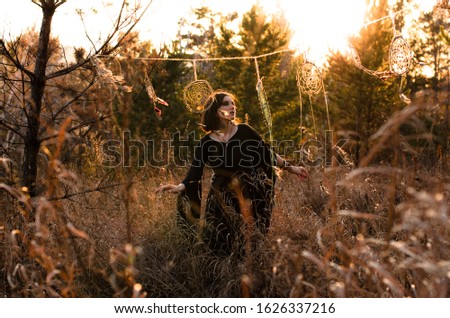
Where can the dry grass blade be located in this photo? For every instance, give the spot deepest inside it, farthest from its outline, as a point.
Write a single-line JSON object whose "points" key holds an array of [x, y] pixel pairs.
{"points": [[310, 256], [371, 170], [388, 279], [359, 215], [389, 129], [76, 232]]}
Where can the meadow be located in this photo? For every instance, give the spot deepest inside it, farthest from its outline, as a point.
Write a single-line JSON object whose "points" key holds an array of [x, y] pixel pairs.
{"points": [[379, 230]]}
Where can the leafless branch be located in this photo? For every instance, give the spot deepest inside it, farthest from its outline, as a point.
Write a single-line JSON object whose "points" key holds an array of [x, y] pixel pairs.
{"points": [[103, 48], [13, 90], [67, 104], [96, 189], [83, 124], [16, 63], [4, 124], [37, 2], [59, 2], [85, 29], [14, 124]]}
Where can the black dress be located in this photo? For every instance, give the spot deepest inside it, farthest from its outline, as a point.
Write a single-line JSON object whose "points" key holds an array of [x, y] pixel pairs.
{"points": [[242, 188]]}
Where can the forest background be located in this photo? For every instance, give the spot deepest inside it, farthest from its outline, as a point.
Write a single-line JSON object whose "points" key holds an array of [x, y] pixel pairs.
{"points": [[84, 146]]}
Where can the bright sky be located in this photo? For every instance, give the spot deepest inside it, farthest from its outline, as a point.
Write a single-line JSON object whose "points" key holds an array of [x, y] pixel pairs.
{"points": [[317, 24]]}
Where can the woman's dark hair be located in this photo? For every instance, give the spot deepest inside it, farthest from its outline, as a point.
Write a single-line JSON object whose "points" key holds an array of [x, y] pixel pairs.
{"points": [[210, 120]]}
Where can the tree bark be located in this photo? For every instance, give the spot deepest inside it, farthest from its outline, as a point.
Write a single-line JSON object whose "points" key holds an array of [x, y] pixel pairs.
{"points": [[34, 106]]}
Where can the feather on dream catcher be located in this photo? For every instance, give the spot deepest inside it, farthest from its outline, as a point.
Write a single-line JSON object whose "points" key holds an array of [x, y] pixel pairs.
{"points": [[262, 97], [442, 9], [152, 95]]}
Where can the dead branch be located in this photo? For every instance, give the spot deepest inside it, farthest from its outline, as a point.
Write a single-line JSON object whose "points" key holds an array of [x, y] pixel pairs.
{"points": [[96, 189]]}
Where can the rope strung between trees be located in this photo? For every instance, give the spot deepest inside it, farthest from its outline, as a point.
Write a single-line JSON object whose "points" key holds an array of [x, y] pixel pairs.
{"points": [[206, 59], [309, 78], [194, 60]]}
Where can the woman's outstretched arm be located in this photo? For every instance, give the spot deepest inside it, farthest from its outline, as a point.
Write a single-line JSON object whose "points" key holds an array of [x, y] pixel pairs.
{"points": [[172, 188], [300, 172], [194, 173]]}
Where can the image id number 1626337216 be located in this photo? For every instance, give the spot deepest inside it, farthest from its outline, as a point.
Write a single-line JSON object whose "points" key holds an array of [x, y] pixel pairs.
{"points": [[297, 308]]}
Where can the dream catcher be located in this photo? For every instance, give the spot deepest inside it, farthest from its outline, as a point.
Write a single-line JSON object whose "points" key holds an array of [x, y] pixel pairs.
{"points": [[400, 58], [152, 95], [309, 79], [442, 9], [310, 82], [196, 93], [106, 76], [262, 97]]}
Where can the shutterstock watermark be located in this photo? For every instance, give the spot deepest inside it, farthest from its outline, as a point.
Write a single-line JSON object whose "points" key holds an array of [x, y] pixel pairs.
{"points": [[188, 150]]}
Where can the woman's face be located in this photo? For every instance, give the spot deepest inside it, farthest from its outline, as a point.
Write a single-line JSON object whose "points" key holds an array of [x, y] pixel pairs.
{"points": [[227, 109]]}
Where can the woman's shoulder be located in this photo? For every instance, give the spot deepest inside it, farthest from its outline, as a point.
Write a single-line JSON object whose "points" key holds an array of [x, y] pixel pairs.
{"points": [[206, 137], [247, 128], [248, 132]]}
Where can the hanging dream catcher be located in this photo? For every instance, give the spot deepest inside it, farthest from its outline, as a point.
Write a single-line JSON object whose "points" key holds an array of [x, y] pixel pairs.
{"points": [[400, 58], [442, 9], [310, 82], [152, 95], [262, 97], [309, 79], [107, 77], [196, 93]]}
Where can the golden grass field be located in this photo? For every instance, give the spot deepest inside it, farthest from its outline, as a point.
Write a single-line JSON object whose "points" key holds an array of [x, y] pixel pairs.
{"points": [[375, 230]]}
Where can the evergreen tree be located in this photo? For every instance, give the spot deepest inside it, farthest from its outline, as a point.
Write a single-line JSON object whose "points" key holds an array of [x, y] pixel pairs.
{"points": [[261, 34], [213, 36], [258, 34], [431, 51], [430, 45], [362, 102]]}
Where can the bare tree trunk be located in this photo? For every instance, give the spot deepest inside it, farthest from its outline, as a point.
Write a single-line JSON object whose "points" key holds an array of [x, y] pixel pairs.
{"points": [[38, 82]]}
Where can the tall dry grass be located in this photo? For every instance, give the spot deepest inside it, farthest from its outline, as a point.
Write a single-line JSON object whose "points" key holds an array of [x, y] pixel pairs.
{"points": [[375, 230]]}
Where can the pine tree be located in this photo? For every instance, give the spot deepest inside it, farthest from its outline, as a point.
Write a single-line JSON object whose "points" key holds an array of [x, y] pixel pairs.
{"points": [[430, 50], [362, 102], [42, 117], [261, 34]]}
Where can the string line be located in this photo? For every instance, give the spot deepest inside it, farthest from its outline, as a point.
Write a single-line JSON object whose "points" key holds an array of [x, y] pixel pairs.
{"points": [[202, 59]]}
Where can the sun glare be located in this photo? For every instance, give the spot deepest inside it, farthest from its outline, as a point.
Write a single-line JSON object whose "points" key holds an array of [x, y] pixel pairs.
{"points": [[317, 26], [322, 25]]}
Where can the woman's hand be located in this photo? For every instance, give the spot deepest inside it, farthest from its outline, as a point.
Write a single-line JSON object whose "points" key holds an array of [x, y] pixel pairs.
{"points": [[172, 188], [300, 172]]}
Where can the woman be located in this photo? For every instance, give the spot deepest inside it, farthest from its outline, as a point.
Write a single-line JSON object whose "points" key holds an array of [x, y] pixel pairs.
{"points": [[241, 196]]}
